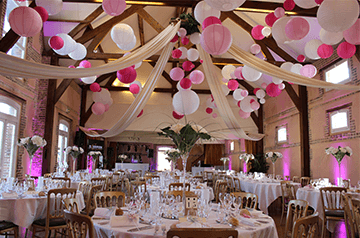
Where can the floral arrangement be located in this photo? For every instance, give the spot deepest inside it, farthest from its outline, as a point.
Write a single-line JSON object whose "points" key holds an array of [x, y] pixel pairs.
{"points": [[173, 154], [122, 157], [339, 153], [95, 154], [246, 157], [273, 156], [74, 151], [32, 144], [184, 136], [225, 159]]}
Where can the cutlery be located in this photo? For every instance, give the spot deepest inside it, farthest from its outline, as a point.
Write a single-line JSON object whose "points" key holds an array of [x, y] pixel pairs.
{"points": [[140, 228]]}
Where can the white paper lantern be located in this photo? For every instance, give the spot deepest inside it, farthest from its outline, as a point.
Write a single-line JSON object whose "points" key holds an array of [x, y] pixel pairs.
{"points": [[69, 44], [251, 74], [287, 66], [203, 10], [192, 54], [227, 70], [184, 52], [260, 93], [311, 49], [237, 94], [186, 102], [79, 53], [225, 89], [195, 38], [88, 80], [276, 80], [53, 7], [122, 34], [278, 30], [225, 5], [262, 101], [138, 65], [209, 102], [281, 86], [255, 49], [338, 15], [266, 31], [330, 38], [245, 104], [103, 96], [129, 46], [296, 68], [306, 4]]}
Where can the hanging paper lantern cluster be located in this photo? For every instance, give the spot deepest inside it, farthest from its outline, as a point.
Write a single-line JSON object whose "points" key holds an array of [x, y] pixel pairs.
{"points": [[102, 100], [123, 36], [216, 39], [63, 44]]}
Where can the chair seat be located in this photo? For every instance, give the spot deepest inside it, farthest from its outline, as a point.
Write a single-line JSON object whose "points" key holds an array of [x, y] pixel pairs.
{"points": [[6, 225], [334, 213], [53, 222]]}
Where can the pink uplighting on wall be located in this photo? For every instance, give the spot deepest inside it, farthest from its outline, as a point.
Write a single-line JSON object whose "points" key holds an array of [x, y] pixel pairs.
{"points": [[90, 164], [230, 162], [286, 162], [335, 164], [244, 167]]}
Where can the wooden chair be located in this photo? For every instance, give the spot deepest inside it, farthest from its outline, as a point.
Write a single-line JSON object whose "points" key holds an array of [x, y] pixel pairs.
{"points": [[356, 214], [209, 178], [109, 199], [179, 186], [30, 182], [346, 183], [137, 186], [350, 221], [79, 226], [134, 175], [151, 179], [230, 183], [202, 233], [123, 185], [287, 194], [304, 181], [54, 212], [99, 181], [246, 200], [71, 204], [332, 203], [179, 194], [67, 181], [85, 187], [237, 185], [90, 205], [199, 178], [296, 179], [6, 227], [220, 187], [306, 227], [296, 209], [48, 175]]}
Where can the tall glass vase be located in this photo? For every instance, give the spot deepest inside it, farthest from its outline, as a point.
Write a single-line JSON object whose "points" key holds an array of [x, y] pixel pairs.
{"points": [[30, 167], [184, 159], [273, 169], [73, 169], [340, 180]]}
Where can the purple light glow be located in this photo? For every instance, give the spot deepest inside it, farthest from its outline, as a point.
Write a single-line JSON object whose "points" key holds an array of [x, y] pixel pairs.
{"points": [[244, 167], [89, 164], [342, 230], [286, 162], [335, 165], [230, 162], [36, 165]]}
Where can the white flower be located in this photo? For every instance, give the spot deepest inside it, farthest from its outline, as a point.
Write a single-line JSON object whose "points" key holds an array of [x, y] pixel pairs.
{"points": [[342, 149], [68, 149], [349, 150], [198, 128], [24, 141], [81, 150], [177, 128], [270, 154], [44, 143], [75, 148], [278, 154]]}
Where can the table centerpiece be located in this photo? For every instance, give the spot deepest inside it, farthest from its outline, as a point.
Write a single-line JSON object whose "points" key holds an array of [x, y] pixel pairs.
{"points": [[339, 155], [246, 157], [74, 152], [172, 156], [273, 156], [94, 158], [224, 160]]}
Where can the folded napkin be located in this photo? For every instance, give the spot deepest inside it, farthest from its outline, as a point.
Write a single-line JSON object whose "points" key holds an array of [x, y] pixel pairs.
{"points": [[247, 221], [188, 224], [122, 221], [103, 212], [255, 213], [9, 195]]}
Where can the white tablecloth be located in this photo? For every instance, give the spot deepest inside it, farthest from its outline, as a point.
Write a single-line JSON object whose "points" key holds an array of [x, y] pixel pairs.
{"points": [[24, 211], [267, 230]]}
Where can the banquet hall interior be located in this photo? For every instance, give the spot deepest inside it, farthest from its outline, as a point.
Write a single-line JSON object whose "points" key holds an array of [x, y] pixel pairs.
{"points": [[116, 114]]}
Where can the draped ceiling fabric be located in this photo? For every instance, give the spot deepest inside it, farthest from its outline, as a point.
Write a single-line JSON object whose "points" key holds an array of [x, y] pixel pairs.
{"points": [[9, 65], [222, 103]]}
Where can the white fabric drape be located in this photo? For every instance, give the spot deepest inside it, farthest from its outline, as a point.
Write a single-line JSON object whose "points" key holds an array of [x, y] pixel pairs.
{"points": [[14, 66], [272, 70], [138, 104], [222, 103]]}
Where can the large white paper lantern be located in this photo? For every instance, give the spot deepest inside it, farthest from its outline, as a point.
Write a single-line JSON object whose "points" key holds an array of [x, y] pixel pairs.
{"points": [[245, 104], [225, 5], [53, 7], [186, 102], [307, 4], [183, 51], [330, 38], [195, 38], [129, 46], [203, 10], [311, 49], [69, 44], [338, 15], [227, 70], [278, 30], [79, 53], [192, 54], [89, 80], [287, 66], [296, 68], [251, 74], [122, 34]]}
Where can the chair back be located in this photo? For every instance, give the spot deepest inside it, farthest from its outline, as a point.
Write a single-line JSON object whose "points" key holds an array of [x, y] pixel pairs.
{"points": [[99, 181], [304, 181], [90, 205], [306, 227], [221, 187], [137, 186], [331, 198], [179, 194], [55, 204], [67, 181], [246, 200], [179, 186], [350, 222], [230, 182], [296, 210], [30, 182], [152, 179], [71, 204], [123, 185], [356, 214], [109, 199], [237, 185], [79, 226], [198, 178], [202, 233], [287, 191], [296, 179], [84, 188], [346, 183]]}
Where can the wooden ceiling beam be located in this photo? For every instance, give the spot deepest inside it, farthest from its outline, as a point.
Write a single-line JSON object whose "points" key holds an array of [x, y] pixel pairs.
{"points": [[141, 30], [61, 89], [164, 74], [111, 80], [150, 20], [103, 77], [158, 90], [293, 95], [89, 18]]}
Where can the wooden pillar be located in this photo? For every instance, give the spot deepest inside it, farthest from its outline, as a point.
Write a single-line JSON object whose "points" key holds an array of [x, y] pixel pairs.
{"points": [[304, 132], [260, 143]]}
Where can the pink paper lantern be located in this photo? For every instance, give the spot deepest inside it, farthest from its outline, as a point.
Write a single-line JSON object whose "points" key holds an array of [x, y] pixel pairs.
{"points": [[270, 19], [185, 83], [319, 1], [256, 32], [255, 105], [42, 12], [216, 39], [95, 87], [188, 65], [238, 73], [289, 5], [308, 70], [134, 88], [197, 77], [140, 114], [107, 107], [263, 85], [273, 90], [182, 32], [297, 28], [352, 35], [98, 108], [279, 12], [210, 21], [72, 67], [56, 42], [233, 84], [325, 51], [255, 49], [209, 110], [85, 64], [176, 37], [25, 21], [244, 93], [243, 114], [176, 53], [177, 74], [301, 58], [114, 7], [255, 90], [215, 115], [346, 50], [127, 75], [185, 40], [177, 116]]}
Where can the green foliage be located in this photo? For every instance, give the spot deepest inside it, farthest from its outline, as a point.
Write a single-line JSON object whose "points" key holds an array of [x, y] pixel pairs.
{"points": [[259, 164], [189, 23]]}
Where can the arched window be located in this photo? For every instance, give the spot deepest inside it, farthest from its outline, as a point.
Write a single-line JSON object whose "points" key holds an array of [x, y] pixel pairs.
{"points": [[63, 140], [9, 126]]}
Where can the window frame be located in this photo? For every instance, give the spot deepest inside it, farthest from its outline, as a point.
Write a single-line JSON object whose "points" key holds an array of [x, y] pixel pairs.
{"points": [[341, 129], [66, 134], [277, 129], [334, 65]]}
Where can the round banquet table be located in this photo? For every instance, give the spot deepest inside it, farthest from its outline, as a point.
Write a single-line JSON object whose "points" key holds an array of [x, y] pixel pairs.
{"points": [[208, 190], [262, 230], [24, 211]]}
